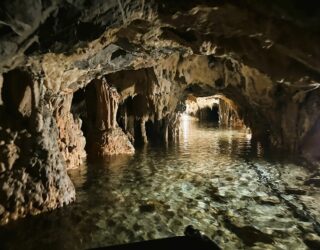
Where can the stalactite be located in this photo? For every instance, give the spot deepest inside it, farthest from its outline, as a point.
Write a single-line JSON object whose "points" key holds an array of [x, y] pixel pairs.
{"points": [[143, 129], [224, 114], [125, 119], [228, 116], [130, 125], [107, 107], [174, 126], [115, 101], [107, 138]]}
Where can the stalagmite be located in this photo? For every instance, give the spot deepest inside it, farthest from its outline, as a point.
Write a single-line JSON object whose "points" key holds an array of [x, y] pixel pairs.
{"points": [[106, 137]]}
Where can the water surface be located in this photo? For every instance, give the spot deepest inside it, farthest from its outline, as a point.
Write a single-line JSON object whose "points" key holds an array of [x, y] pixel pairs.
{"points": [[212, 179]]}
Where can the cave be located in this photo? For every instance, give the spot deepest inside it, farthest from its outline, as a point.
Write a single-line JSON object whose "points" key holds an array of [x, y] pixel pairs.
{"points": [[216, 109], [209, 114], [160, 123], [214, 114]]}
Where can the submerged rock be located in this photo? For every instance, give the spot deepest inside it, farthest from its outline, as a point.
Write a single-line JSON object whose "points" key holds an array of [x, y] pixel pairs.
{"points": [[147, 208], [294, 190], [111, 142], [315, 181], [248, 234], [312, 241], [269, 200]]}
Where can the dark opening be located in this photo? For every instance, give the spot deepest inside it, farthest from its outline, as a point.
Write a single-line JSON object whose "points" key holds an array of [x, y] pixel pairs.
{"points": [[17, 96], [79, 109], [209, 114], [150, 130]]}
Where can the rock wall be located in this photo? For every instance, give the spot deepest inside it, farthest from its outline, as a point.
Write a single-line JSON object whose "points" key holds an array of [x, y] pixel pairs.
{"points": [[262, 56], [71, 139], [266, 66], [1, 83], [33, 175], [228, 114]]}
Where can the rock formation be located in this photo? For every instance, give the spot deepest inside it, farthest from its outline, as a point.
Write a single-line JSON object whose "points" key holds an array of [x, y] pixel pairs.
{"points": [[71, 140], [146, 57], [33, 174], [105, 137], [215, 108]]}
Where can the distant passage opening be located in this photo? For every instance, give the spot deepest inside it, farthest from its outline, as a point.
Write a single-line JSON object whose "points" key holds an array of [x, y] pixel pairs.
{"points": [[79, 109], [216, 109]]}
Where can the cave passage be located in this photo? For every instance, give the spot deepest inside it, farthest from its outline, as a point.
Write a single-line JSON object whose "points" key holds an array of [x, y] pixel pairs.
{"points": [[128, 120], [216, 109]]}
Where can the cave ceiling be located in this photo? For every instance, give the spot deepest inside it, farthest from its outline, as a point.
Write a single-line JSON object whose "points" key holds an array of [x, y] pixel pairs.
{"points": [[73, 41]]}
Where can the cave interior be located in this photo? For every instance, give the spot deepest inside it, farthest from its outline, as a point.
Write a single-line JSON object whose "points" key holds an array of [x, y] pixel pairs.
{"points": [[87, 80]]}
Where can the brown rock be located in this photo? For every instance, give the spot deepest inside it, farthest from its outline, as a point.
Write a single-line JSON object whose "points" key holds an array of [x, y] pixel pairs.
{"points": [[105, 136], [71, 140], [271, 200]]}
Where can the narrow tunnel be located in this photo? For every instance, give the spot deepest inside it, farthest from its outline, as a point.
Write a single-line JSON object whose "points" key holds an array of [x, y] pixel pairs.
{"points": [[217, 109], [148, 120], [209, 114]]}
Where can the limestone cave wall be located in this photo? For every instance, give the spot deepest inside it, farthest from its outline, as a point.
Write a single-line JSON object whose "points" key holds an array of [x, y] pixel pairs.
{"points": [[136, 61]]}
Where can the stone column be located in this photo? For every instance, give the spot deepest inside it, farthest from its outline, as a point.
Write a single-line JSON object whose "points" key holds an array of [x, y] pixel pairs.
{"points": [[106, 137], [71, 140], [33, 176], [224, 113]]}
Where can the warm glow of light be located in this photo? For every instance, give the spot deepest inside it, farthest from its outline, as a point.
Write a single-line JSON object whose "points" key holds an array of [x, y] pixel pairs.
{"points": [[185, 120], [249, 135]]}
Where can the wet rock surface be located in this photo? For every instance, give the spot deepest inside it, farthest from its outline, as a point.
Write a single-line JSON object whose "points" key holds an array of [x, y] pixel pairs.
{"points": [[105, 137], [33, 178], [147, 56], [159, 191], [71, 139], [110, 142]]}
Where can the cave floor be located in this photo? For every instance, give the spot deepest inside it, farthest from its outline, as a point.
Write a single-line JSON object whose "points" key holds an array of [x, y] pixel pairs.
{"points": [[212, 179]]}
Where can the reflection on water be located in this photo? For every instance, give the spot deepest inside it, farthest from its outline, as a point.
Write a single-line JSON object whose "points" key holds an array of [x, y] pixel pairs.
{"points": [[208, 180]]}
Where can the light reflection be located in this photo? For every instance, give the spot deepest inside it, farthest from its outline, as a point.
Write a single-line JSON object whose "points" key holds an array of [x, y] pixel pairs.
{"points": [[259, 150], [185, 123], [248, 134], [191, 183]]}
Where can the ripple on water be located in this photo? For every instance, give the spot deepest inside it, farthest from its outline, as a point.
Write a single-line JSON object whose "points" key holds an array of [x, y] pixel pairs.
{"points": [[204, 180]]}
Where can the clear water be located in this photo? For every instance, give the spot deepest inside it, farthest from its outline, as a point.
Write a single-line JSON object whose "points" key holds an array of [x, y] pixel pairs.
{"points": [[210, 176]]}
